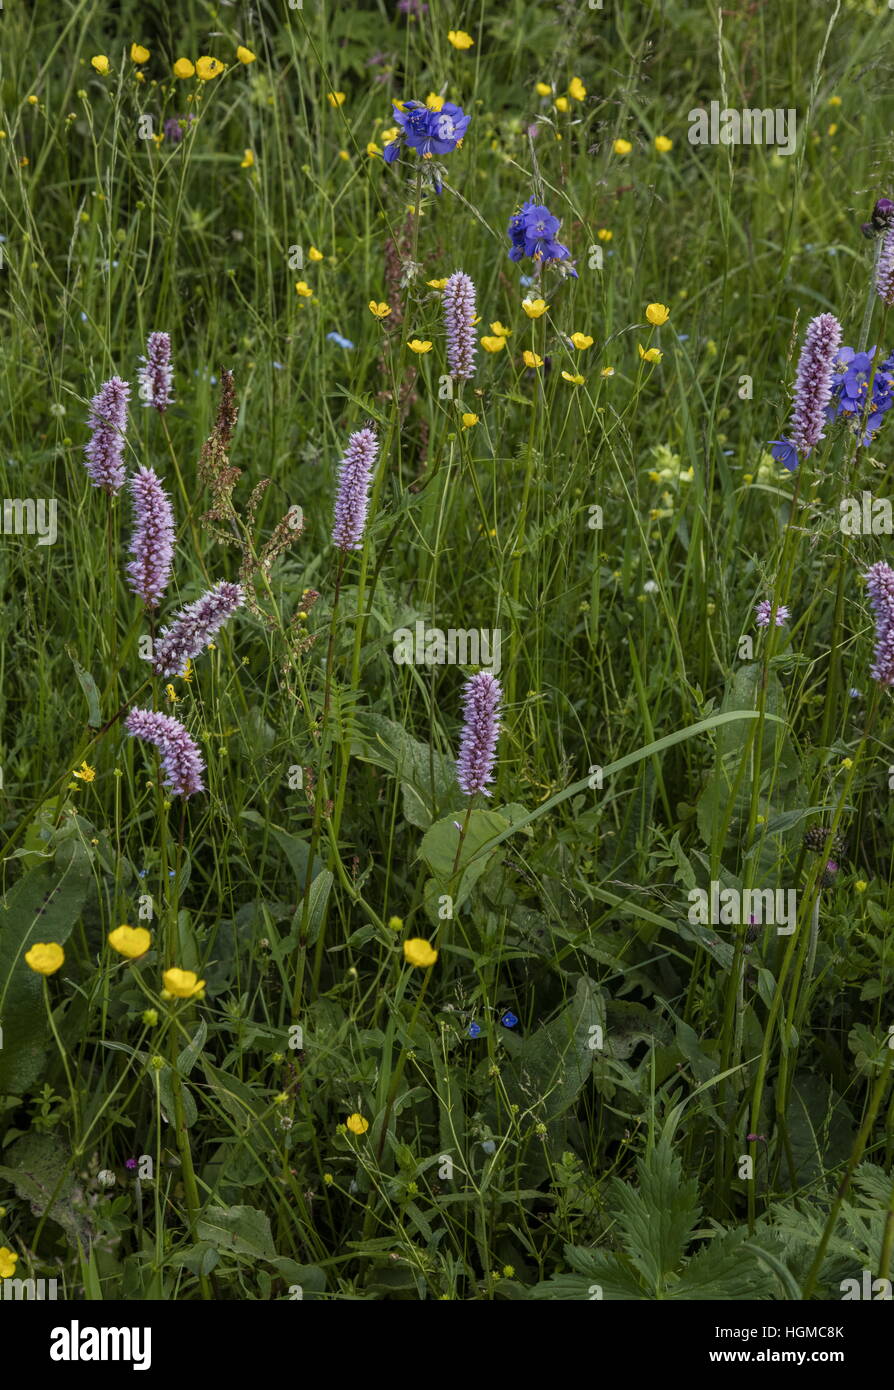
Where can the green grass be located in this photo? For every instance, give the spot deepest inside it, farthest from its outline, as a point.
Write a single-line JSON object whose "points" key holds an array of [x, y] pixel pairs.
{"points": [[524, 1161]]}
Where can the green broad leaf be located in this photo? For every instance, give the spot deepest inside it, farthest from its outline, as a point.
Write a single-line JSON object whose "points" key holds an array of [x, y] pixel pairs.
{"points": [[166, 1096], [649, 750], [656, 1218], [365, 404], [725, 804], [441, 842], [37, 845], [724, 1269], [40, 1170], [629, 1024], [598, 1276], [551, 1066], [90, 689], [295, 849], [187, 1059], [427, 778], [238, 1230], [319, 896], [44, 906], [821, 1128], [235, 1096], [310, 1279], [199, 1259]]}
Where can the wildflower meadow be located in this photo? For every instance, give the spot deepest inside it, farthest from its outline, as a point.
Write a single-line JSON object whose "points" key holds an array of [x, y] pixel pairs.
{"points": [[447, 745]]}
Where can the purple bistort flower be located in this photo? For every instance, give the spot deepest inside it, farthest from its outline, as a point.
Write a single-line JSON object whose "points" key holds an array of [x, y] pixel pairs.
{"points": [[880, 584], [882, 218], [152, 546], [767, 613], [813, 391], [478, 745], [352, 500], [193, 628], [884, 275], [108, 421], [156, 377], [175, 127], [180, 758], [459, 318]]}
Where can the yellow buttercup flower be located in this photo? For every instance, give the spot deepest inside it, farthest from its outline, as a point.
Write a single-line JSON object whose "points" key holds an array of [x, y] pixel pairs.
{"points": [[395, 923], [138, 54], [434, 102], [184, 68], [303, 288], [622, 147], [607, 371], [314, 254], [85, 773], [649, 354], [391, 133], [501, 331], [834, 101], [45, 957], [8, 1260], [575, 380], [335, 98], [436, 284], [493, 344], [245, 55], [581, 341], [663, 144], [343, 154], [379, 311], [576, 89], [561, 104], [604, 234], [460, 39], [172, 695], [132, 942], [468, 421], [531, 359], [543, 89], [248, 160], [416, 346], [535, 308], [357, 1124], [208, 68], [419, 952], [101, 64], [657, 314], [182, 984], [372, 148]]}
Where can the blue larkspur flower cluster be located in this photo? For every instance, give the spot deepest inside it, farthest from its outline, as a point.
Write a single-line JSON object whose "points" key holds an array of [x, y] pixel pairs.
{"points": [[533, 231], [427, 131], [850, 393], [852, 373]]}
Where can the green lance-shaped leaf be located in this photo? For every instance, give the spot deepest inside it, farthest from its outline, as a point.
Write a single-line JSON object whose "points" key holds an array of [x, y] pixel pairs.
{"points": [[43, 906]]}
